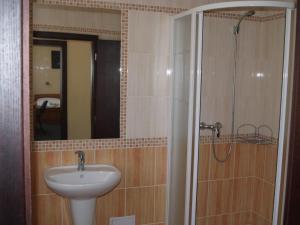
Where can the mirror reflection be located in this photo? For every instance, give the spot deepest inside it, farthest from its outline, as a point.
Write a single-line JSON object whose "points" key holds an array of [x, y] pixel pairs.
{"points": [[76, 73]]}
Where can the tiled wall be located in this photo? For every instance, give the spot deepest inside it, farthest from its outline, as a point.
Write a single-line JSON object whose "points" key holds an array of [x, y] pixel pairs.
{"points": [[140, 153], [141, 191], [239, 191], [258, 76], [107, 25], [148, 91]]}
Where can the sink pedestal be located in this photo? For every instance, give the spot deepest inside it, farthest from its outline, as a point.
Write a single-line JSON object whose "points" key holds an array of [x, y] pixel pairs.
{"points": [[83, 211]]}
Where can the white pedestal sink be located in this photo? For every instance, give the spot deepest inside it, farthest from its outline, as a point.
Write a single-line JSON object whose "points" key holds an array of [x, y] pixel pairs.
{"points": [[82, 187]]}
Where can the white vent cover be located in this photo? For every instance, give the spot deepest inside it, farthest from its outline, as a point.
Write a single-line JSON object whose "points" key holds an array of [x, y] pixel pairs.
{"points": [[125, 220]]}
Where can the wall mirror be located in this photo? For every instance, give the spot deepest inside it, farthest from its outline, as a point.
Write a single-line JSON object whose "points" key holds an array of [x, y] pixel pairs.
{"points": [[76, 73]]}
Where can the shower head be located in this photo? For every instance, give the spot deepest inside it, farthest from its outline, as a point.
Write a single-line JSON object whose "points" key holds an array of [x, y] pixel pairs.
{"points": [[236, 28]]}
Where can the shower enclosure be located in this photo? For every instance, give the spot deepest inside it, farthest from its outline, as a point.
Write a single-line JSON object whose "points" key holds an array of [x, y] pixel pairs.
{"points": [[230, 113]]}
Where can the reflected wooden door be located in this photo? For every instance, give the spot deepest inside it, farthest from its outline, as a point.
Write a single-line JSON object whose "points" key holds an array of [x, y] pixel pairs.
{"points": [[106, 99]]}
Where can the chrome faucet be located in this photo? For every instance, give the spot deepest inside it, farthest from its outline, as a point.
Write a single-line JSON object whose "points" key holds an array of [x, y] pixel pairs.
{"points": [[216, 127], [81, 160]]}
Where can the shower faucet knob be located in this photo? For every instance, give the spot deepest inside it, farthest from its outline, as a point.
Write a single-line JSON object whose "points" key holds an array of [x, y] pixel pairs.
{"points": [[218, 127]]}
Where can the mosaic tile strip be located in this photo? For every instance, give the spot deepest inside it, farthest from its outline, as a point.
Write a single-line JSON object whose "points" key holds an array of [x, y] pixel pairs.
{"points": [[274, 17], [124, 72], [96, 144], [153, 8], [112, 35], [245, 138], [252, 18], [112, 5]]}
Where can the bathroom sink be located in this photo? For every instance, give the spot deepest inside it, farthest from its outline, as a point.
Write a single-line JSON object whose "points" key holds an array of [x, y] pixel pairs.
{"points": [[94, 181]]}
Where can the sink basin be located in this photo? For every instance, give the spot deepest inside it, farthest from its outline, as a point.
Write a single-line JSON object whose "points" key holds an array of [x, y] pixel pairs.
{"points": [[82, 187], [95, 180]]}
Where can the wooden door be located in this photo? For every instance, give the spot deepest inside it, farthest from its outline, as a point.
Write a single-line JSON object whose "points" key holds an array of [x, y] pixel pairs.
{"points": [[12, 142], [292, 203], [106, 99]]}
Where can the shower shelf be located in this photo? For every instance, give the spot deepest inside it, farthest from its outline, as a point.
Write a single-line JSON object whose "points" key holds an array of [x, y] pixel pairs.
{"points": [[256, 137]]}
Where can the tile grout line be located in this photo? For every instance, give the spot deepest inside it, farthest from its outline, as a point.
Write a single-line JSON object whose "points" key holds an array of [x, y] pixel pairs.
{"points": [[234, 165], [128, 188], [125, 182], [209, 175], [155, 169]]}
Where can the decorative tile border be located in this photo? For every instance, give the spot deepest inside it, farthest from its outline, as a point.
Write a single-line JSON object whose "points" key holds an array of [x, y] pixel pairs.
{"points": [[227, 15], [153, 8], [261, 139], [96, 144], [111, 5], [124, 72], [105, 34]]}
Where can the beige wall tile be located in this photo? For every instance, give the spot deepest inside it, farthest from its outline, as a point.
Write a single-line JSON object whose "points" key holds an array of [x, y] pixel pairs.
{"points": [[140, 202], [41, 161], [252, 149], [218, 220], [140, 167], [200, 221], [204, 161], [267, 201], [115, 157], [70, 158], [241, 218], [148, 102], [241, 195], [161, 161], [46, 210], [259, 220], [271, 163], [220, 197], [202, 199], [222, 170], [66, 212], [244, 155], [260, 160], [257, 194], [110, 205], [160, 204]]}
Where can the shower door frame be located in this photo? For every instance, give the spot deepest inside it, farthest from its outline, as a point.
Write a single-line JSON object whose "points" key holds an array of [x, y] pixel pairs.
{"points": [[195, 97]]}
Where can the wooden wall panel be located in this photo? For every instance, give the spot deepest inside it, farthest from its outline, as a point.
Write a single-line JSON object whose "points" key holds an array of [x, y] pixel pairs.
{"points": [[26, 106], [12, 194], [292, 204]]}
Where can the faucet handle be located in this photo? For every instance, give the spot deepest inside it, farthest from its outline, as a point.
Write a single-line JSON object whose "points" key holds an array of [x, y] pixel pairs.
{"points": [[217, 127], [81, 160], [80, 154]]}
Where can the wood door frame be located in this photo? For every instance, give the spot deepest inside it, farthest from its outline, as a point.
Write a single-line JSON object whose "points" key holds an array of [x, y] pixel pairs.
{"points": [[80, 37], [15, 194], [64, 81], [26, 107]]}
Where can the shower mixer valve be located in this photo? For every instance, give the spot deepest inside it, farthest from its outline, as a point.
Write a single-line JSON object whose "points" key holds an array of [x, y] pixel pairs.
{"points": [[215, 128]]}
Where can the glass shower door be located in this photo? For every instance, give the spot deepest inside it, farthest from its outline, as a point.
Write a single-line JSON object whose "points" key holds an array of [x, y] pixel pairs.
{"points": [[181, 141], [241, 87]]}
